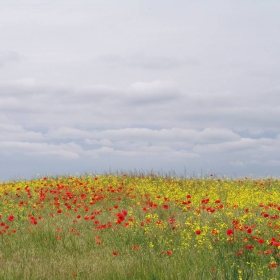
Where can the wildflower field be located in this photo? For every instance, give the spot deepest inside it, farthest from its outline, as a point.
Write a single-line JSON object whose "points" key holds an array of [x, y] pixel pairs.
{"points": [[118, 226]]}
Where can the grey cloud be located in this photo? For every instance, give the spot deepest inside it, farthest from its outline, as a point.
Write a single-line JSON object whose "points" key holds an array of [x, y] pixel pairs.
{"points": [[273, 162], [105, 150], [238, 118], [175, 142], [29, 86], [9, 56], [213, 134], [145, 134], [147, 62], [158, 103], [155, 152], [11, 132], [9, 103], [94, 94], [101, 142], [158, 82], [68, 150], [159, 62], [236, 146], [155, 91], [253, 148], [168, 152], [237, 163], [171, 135], [68, 132]]}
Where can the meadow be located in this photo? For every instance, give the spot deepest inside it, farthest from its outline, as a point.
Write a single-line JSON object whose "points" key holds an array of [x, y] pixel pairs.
{"points": [[140, 226]]}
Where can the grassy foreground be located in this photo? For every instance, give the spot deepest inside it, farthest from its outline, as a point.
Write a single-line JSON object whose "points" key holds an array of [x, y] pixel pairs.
{"points": [[140, 227]]}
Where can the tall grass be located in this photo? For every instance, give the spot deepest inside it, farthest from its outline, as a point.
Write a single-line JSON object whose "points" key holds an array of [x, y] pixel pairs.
{"points": [[140, 226]]}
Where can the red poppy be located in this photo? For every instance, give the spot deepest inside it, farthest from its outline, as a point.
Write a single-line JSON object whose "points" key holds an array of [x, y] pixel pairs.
{"points": [[267, 252], [198, 231], [250, 247], [11, 218], [230, 232], [273, 264], [135, 247], [115, 253], [98, 240], [169, 252]]}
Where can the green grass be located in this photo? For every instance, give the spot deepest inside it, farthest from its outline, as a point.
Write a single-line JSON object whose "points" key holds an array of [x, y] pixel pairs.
{"points": [[151, 222]]}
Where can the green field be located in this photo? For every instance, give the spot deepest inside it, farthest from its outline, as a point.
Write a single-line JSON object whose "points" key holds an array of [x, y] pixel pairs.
{"points": [[133, 226]]}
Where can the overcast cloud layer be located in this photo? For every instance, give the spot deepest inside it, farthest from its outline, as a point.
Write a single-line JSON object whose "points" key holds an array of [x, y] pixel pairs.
{"points": [[96, 86]]}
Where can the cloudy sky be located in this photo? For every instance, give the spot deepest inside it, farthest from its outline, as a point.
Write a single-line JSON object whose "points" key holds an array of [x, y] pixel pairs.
{"points": [[97, 86]]}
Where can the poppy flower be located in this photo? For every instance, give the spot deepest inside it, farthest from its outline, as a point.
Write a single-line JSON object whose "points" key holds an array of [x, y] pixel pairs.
{"points": [[11, 218], [273, 264], [250, 247], [249, 230], [230, 232], [267, 252], [135, 247]]}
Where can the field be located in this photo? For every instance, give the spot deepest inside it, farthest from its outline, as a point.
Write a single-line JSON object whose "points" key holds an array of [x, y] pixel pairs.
{"points": [[140, 226]]}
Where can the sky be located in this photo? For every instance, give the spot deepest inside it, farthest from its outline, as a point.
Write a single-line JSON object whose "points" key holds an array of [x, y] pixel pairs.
{"points": [[94, 86]]}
